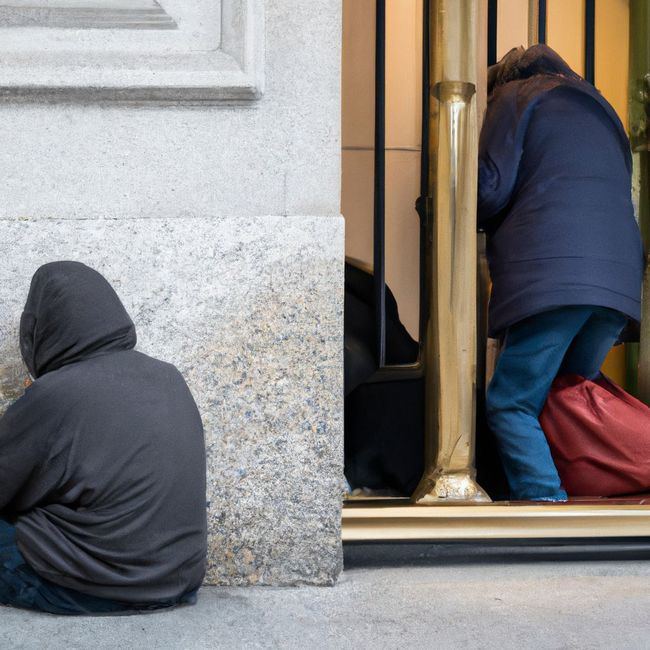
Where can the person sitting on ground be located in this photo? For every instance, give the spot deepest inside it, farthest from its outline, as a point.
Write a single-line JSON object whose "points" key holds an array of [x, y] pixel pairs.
{"points": [[565, 251], [102, 461]]}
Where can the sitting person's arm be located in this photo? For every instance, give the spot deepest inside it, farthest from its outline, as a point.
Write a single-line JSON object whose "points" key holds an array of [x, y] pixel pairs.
{"points": [[24, 437]]}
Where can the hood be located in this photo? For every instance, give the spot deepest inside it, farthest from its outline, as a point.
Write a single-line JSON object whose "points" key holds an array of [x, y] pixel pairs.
{"points": [[519, 63], [72, 313]]}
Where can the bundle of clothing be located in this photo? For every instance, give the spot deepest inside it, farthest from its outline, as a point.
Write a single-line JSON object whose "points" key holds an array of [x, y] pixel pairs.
{"points": [[384, 420]]}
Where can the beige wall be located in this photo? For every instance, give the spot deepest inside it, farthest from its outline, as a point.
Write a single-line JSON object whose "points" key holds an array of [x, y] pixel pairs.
{"points": [[512, 25], [566, 31], [403, 124]]}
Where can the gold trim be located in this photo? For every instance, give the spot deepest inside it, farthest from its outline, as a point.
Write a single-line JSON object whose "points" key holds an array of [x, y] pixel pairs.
{"points": [[449, 337], [376, 522]]}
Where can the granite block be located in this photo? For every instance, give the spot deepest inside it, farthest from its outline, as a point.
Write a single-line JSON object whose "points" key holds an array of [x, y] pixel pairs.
{"points": [[251, 311]]}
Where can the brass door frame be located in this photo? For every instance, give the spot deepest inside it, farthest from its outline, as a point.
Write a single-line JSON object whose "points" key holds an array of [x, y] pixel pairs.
{"points": [[381, 521]]}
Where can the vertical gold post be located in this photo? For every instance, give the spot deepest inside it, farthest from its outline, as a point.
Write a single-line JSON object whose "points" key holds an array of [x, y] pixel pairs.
{"points": [[450, 337]]}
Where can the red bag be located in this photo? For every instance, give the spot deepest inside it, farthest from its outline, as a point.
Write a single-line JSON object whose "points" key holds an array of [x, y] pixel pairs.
{"points": [[599, 437]]}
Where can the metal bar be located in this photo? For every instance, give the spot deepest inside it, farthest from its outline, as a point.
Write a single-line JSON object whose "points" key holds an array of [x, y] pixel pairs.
{"points": [[536, 22], [424, 142], [493, 8], [399, 553], [424, 206], [541, 22], [493, 521], [450, 336], [397, 372], [590, 41], [379, 229]]}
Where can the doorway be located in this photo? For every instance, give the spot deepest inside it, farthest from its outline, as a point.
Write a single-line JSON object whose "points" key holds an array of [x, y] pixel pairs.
{"points": [[383, 168]]}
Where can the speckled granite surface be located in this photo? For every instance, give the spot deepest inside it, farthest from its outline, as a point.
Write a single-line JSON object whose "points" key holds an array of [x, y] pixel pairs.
{"points": [[251, 311]]}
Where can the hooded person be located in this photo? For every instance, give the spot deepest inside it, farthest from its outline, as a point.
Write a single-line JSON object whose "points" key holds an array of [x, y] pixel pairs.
{"points": [[102, 461], [565, 252]]}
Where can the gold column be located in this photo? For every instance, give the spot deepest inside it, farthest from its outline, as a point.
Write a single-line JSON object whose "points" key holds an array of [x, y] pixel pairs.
{"points": [[450, 337]]}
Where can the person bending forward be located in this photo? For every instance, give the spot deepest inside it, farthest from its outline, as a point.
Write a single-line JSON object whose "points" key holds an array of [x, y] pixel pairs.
{"points": [[565, 252]]}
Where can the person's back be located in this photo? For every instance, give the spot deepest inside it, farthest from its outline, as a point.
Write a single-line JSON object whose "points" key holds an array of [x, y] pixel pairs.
{"points": [[570, 226], [102, 461]]}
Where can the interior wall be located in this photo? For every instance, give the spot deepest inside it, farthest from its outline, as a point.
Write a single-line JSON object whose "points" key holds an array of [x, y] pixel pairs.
{"points": [[565, 24], [512, 25], [403, 125]]}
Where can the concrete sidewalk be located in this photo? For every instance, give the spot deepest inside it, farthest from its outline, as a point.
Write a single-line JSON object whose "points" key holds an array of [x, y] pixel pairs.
{"points": [[442, 602]]}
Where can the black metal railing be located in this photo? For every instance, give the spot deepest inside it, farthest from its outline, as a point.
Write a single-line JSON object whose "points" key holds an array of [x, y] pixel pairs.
{"points": [[379, 210], [541, 21], [379, 227]]}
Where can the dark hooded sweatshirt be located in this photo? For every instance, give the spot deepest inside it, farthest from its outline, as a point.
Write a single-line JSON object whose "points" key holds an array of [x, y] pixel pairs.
{"points": [[102, 461], [555, 195]]}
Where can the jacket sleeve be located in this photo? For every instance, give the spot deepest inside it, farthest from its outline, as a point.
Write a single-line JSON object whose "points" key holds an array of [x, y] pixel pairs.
{"points": [[500, 149], [23, 450]]}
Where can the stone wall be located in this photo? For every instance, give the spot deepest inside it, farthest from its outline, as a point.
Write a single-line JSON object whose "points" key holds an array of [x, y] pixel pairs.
{"points": [[216, 219]]}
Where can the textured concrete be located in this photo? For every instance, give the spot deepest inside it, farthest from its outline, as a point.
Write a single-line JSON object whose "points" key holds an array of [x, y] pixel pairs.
{"points": [[454, 605], [250, 310]]}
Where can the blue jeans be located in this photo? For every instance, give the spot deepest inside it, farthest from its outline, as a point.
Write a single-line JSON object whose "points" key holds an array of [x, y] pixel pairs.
{"points": [[569, 340], [21, 586]]}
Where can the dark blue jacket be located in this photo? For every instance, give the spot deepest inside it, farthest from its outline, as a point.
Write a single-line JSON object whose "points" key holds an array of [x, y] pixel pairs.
{"points": [[555, 199]]}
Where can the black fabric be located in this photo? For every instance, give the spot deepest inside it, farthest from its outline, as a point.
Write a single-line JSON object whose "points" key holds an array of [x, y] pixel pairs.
{"points": [[384, 422], [21, 586], [360, 355], [102, 461], [384, 436], [72, 313]]}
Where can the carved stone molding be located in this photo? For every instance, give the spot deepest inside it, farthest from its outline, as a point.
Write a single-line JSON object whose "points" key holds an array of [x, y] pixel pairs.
{"points": [[202, 51], [86, 14]]}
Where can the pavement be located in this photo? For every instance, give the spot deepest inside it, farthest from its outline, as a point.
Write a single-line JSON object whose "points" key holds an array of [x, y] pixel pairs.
{"points": [[412, 596]]}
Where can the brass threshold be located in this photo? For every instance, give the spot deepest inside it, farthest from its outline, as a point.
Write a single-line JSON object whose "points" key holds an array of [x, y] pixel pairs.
{"points": [[380, 520]]}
